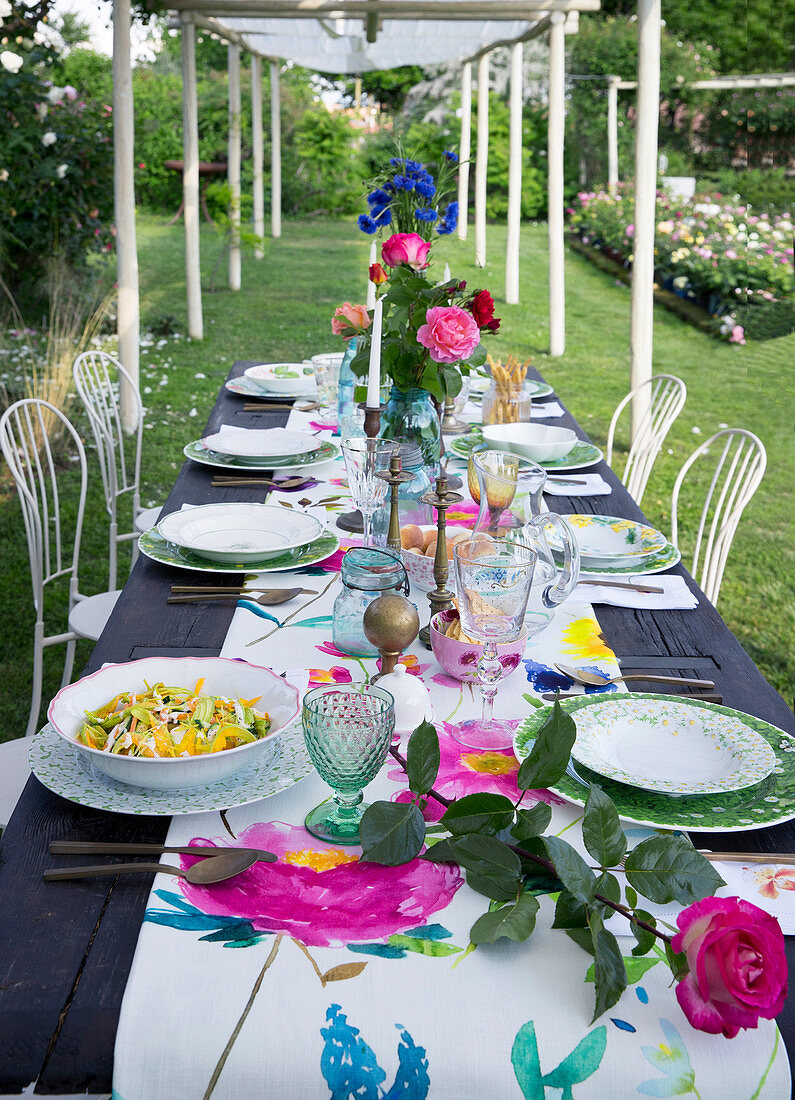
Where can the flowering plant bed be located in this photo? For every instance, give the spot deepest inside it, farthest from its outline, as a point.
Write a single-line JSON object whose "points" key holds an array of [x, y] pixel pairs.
{"points": [[720, 256]]}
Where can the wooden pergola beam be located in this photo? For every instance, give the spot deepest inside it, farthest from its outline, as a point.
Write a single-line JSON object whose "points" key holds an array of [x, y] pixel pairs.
{"points": [[455, 10], [728, 83]]}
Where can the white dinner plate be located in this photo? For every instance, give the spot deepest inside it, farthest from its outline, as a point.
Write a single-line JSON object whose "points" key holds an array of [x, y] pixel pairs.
{"points": [[241, 533], [198, 453], [245, 387], [61, 769], [609, 540], [669, 745], [261, 443]]}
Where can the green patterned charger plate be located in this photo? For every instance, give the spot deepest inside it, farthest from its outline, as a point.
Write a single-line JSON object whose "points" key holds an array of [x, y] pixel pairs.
{"points": [[654, 563], [581, 455], [768, 803], [154, 546], [62, 770], [325, 453]]}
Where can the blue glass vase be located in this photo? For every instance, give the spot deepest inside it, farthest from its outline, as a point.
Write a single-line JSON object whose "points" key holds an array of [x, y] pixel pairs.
{"points": [[347, 418], [411, 416]]}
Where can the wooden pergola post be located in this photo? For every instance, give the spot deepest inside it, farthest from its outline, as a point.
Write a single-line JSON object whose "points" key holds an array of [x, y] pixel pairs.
{"points": [[648, 113], [276, 152], [514, 178], [233, 166], [612, 133], [557, 121], [128, 312], [257, 182], [482, 160], [190, 179], [464, 149]]}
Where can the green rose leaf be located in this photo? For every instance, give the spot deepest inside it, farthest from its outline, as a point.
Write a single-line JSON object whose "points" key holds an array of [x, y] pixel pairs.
{"points": [[422, 758], [532, 822], [391, 833], [550, 753], [583, 937], [440, 852], [668, 868], [677, 960], [608, 886], [492, 868], [569, 912], [610, 974], [644, 940], [571, 869], [479, 813], [631, 896], [514, 922], [601, 831]]}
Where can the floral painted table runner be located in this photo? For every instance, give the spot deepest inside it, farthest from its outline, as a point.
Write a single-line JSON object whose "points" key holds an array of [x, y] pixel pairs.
{"points": [[320, 976]]}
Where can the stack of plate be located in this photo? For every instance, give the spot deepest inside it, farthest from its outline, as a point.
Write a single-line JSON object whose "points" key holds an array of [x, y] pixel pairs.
{"points": [[676, 762], [260, 448], [261, 538], [612, 545]]}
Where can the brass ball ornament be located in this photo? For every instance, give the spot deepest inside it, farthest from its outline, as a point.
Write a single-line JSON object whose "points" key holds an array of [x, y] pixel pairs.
{"points": [[391, 623]]}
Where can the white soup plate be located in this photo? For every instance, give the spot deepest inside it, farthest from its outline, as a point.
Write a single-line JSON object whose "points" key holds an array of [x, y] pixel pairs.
{"points": [[283, 378], [261, 442], [239, 533]]}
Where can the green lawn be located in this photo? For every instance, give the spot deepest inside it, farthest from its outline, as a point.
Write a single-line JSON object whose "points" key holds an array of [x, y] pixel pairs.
{"points": [[284, 311]]}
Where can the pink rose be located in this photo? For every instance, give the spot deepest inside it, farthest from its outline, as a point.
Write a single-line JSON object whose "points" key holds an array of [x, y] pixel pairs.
{"points": [[350, 320], [738, 969], [450, 334], [406, 248], [737, 335]]}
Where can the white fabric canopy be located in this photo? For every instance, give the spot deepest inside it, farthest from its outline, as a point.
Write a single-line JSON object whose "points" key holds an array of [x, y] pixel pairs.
{"points": [[341, 46]]}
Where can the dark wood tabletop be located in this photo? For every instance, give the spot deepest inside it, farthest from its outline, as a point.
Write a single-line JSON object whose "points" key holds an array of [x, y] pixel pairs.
{"points": [[66, 948]]}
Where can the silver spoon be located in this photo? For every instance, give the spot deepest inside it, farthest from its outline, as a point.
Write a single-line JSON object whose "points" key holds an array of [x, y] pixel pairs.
{"points": [[203, 873], [596, 679], [109, 848], [267, 599]]}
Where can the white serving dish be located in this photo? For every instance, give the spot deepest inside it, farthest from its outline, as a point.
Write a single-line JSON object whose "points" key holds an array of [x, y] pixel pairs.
{"points": [[271, 380], [540, 442], [239, 533], [222, 676], [261, 442]]}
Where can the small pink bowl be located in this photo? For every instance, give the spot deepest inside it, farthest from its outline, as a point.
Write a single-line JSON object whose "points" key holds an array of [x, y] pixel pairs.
{"points": [[460, 659]]}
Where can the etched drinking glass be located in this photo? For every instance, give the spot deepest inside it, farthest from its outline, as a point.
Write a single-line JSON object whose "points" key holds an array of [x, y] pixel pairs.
{"points": [[347, 732], [364, 459], [327, 377], [493, 580]]}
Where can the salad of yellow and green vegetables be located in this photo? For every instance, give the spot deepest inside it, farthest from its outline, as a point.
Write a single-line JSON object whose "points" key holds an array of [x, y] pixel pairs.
{"points": [[170, 722]]}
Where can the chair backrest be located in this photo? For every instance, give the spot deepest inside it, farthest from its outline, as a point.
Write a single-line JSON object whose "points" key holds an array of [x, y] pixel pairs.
{"points": [[665, 396], [98, 377], [737, 459], [27, 429]]}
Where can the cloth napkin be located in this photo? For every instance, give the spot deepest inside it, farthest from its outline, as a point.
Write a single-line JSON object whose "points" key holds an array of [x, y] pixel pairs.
{"points": [[676, 596], [545, 410], [595, 485]]}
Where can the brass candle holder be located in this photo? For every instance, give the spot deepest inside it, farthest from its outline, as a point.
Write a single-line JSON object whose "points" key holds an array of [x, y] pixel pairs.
{"points": [[396, 477], [390, 624], [441, 599], [450, 423]]}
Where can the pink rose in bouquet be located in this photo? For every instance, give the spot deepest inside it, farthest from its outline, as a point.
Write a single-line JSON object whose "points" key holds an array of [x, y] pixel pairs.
{"points": [[406, 248], [450, 334], [350, 320], [738, 969]]}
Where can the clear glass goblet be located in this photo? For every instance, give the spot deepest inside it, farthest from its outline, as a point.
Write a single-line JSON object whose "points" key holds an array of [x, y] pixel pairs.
{"points": [[364, 459], [327, 377], [347, 733], [492, 477], [493, 580]]}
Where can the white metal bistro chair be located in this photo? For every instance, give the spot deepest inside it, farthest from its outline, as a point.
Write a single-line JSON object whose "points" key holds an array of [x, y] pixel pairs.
{"points": [[97, 377], [737, 459], [666, 398], [53, 529]]}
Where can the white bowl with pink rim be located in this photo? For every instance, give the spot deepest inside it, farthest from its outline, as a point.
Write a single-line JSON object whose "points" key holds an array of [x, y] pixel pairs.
{"points": [[284, 378], [233, 679]]}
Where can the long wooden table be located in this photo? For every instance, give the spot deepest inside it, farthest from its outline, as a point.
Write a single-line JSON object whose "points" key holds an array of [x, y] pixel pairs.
{"points": [[66, 949]]}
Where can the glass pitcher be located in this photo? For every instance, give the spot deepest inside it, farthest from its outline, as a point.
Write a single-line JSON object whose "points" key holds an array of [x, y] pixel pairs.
{"points": [[509, 492]]}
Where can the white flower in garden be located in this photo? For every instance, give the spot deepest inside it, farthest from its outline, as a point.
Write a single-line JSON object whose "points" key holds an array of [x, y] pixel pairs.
{"points": [[42, 110], [10, 61], [61, 170], [49, 138], [3, 175], [5, 8], [55, 94]]}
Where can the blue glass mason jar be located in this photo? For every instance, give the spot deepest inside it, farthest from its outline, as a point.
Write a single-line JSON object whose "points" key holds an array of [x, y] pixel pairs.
{"points": [[367, 573], [411, 416]]}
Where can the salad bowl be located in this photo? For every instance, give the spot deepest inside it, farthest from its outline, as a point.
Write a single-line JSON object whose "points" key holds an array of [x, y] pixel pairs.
{"points": [[283, 378], [221, 676]]}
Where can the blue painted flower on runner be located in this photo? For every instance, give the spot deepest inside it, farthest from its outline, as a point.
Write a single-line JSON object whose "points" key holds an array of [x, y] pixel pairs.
{"points": [[672, 1059], [351, 1068]]}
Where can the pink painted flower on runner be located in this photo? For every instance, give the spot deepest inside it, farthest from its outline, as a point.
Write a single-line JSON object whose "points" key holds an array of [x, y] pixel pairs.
{"points": [[449, 333], [738, 969], [322, 895], [329, 647], [318, 677], [465, 771]]}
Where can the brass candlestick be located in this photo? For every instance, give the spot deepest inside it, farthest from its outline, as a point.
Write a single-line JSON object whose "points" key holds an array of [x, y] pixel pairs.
{"points": [[441, 599], [372, 419], [390, 624], [451, 425], [395, 477]]}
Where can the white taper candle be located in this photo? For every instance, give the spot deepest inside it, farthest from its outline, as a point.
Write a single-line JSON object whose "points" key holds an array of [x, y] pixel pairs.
{"points": [[370, 301], [374, 373], [446, 275]]}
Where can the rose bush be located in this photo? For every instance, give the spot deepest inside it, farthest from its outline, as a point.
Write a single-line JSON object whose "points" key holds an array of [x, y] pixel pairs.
{"points": [[738, 969]]}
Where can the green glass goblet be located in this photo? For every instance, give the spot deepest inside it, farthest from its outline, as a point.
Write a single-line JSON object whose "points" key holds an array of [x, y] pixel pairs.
{"points": [[347, 732]]}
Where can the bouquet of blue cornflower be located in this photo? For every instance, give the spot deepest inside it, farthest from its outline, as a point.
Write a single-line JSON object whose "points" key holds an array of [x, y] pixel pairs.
{"points": [[408, 199]]}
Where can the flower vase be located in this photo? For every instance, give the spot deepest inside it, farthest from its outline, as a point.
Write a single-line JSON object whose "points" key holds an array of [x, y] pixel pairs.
{"points": [[411, 416]]}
